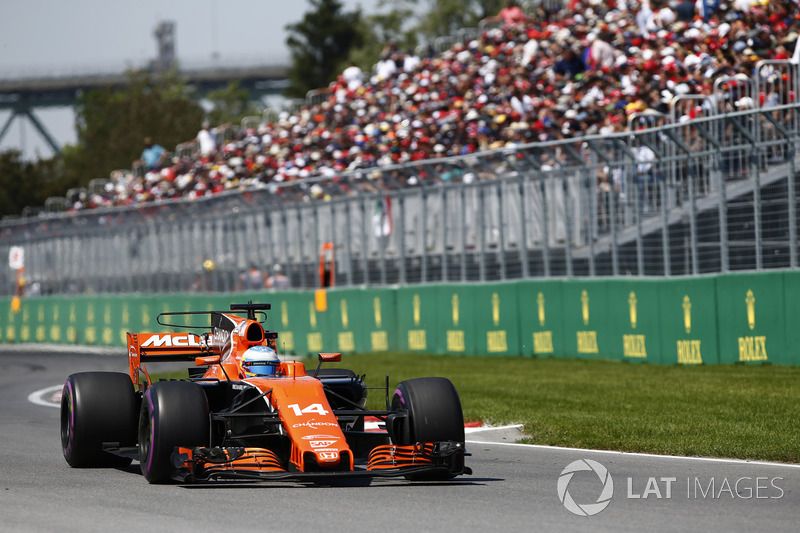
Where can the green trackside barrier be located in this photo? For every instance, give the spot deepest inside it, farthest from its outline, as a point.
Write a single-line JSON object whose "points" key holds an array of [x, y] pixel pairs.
{"points": [[586, 320], [95, 321], [634, 320], [142, 315], [318, 332], [459, 319], [50, 323], [726, 319], [292, 318], [381, 315], [360, 320], [689, 331], [312, 334], [304, 329], [110, 315], [421, 324], [144, 310], [791, 288], [41, 321], [83, 317], [752, 323], [24, 327], [38, 332], [496, 319], [541, 318], [478, 319], [8, 330], [345, 313], [285, 318]]}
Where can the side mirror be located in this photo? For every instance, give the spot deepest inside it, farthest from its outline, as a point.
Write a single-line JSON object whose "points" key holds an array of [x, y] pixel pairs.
{"points": [[327, 358], [330, 357], [207, 360]]}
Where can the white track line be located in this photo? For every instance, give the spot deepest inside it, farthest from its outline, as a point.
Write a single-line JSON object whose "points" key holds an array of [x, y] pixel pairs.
{"points": [[635, 454], [36, 396], [489, 428]]}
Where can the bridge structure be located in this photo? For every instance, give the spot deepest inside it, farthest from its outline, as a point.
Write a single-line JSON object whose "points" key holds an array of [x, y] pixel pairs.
{"points": [[23, 97]]}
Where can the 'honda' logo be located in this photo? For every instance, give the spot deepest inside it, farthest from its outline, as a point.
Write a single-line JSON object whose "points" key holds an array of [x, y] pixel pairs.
{"points": [[328, 455]]}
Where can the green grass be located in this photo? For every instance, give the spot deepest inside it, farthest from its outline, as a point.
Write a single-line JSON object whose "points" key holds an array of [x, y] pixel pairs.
{"points": [[744, 412]]}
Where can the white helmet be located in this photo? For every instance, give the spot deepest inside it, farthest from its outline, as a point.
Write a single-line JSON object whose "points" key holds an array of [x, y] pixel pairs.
{"points": [[260, 361]]}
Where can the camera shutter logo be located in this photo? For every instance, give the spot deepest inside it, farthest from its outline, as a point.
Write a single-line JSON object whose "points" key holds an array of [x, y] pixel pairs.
{"points": [[586, 509]]}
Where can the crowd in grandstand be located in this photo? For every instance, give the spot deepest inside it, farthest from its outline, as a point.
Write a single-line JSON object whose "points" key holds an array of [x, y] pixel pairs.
{"points": [[581, 70]]}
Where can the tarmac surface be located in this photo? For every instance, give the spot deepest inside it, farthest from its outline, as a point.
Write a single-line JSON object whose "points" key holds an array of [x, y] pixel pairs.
{"points": [[516, 487]]}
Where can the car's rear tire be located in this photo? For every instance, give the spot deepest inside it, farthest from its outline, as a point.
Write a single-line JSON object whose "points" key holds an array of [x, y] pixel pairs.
{"points": [[96, 407], [174, 413], [433, 414]]}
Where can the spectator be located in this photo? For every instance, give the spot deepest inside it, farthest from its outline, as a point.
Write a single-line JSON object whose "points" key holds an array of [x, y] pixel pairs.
{"points": [[510, 15], [251, 279], [665, 16], [569, 65], [385, 68], [153, 155], [199, 283], [411, 61], [686, 10], [645, 19], [645, 180], [585, 71], [522, 104], [278, 279], [353, 77], [207, 139]]}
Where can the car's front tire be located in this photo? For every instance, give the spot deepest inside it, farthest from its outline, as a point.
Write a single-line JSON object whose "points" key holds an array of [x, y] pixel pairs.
{"points": [[96, 407], [433, 414], [174, 413], [434, 411]]}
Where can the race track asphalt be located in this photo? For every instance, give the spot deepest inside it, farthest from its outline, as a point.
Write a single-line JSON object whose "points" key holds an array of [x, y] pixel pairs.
{"points": [[513, 487]]}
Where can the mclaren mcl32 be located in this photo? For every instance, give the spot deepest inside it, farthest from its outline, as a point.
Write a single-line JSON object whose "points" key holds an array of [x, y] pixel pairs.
{"points": [[277, 421]]}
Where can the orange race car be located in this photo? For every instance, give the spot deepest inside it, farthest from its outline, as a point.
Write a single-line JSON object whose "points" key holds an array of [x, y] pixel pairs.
{"points": [[244, 413]]}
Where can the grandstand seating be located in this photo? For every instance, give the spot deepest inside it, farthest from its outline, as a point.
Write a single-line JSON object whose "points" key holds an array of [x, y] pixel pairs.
{"points": [[589, 68]]}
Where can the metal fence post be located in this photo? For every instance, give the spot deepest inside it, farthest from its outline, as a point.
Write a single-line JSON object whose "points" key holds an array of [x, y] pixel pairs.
{"points": [[523, 237]]}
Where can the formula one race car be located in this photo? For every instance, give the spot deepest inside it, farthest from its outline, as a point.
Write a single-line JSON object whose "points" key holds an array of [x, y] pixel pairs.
{"points": [[244, 413]]}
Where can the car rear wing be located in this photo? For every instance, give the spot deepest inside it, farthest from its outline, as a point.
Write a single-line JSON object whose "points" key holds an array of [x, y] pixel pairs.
{"points": [[165, 348]]}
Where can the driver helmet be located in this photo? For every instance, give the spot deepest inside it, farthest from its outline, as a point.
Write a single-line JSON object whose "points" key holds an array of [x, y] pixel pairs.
{"points": [[260, 361]]}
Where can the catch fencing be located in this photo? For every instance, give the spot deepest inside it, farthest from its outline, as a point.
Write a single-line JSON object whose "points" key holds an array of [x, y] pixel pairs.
{"points": [[708, 187]]}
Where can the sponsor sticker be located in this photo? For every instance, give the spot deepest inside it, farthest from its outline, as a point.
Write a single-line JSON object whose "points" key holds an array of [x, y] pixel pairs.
{"points": [[322, 443], [328, 455], [312, 424], [313, 437]]}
